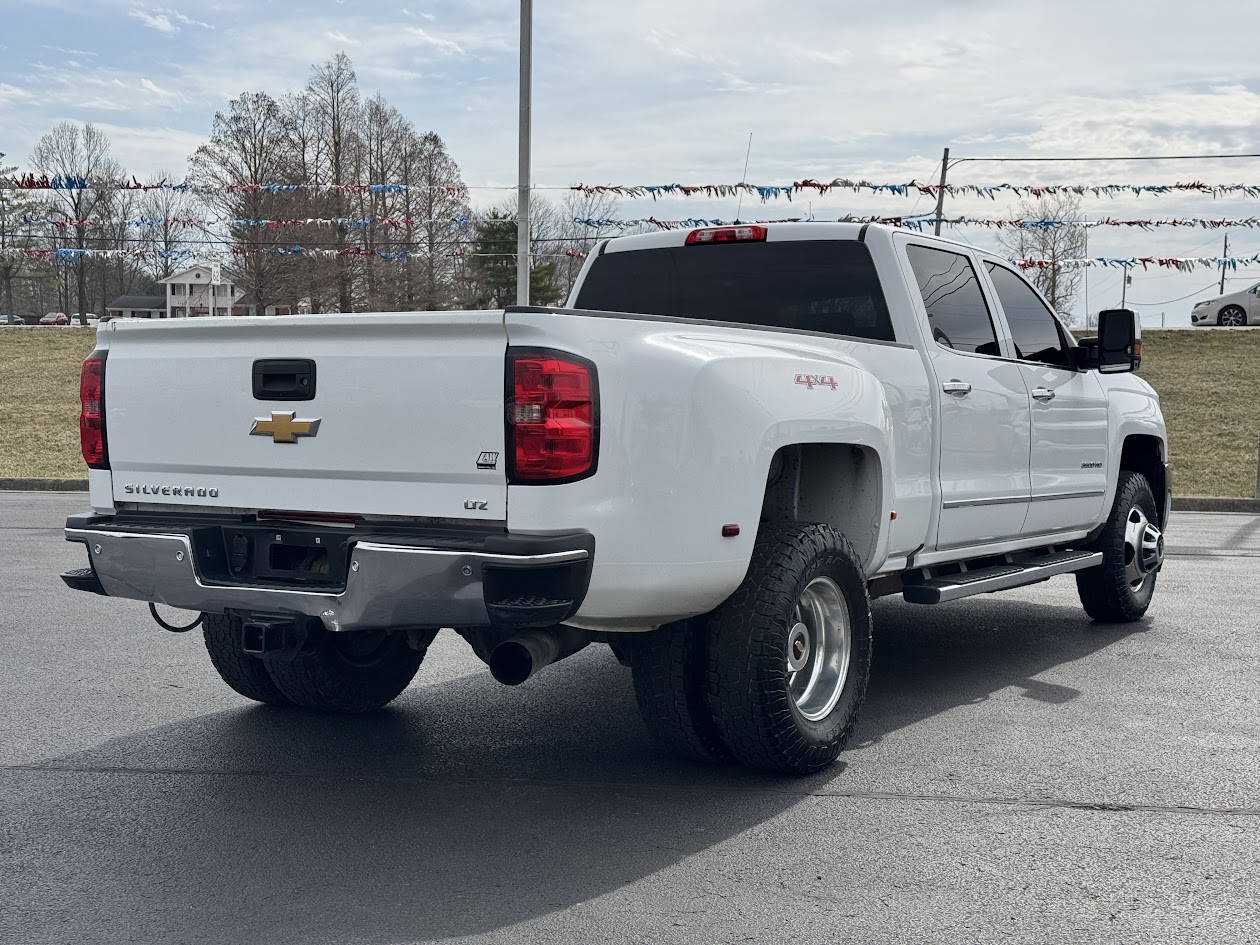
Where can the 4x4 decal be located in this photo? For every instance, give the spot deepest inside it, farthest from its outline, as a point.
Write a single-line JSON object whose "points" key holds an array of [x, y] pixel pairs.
{"points": [[816, 380]]}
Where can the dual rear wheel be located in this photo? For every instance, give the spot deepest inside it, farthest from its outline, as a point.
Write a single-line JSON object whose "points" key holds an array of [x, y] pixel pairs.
{"points": [[332, 672], [775, 676]]}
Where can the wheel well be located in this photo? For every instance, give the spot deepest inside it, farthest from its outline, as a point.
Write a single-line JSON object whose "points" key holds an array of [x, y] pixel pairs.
{"points": [[1144, 454], [836, 483]]}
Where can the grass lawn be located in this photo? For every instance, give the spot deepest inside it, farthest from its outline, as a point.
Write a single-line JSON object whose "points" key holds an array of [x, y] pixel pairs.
{"points": [[39, 401], [1209, 387], [1208, 380]]}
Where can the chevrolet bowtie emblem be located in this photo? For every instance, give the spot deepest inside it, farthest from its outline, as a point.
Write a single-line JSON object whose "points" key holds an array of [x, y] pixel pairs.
{"points": [[283, 428]]}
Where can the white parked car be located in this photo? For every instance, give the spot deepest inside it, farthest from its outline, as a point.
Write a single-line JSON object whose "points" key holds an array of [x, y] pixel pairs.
{"points": [[1229, 311], [729, 442]]}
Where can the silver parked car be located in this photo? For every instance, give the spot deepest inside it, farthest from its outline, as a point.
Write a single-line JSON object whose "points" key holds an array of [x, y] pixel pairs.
{"points": [[1231, 311]]}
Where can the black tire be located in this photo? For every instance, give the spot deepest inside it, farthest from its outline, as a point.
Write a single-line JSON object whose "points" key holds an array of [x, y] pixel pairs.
{"points": [[246, 674], [347, 672], [1231, 316], [670, 684], [1106, 591], [748, 674]]}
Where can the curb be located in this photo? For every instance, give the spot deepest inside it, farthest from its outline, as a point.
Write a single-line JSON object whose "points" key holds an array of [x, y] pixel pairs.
{"points": [[1195, 503], [1189, 503], [43, 485]]}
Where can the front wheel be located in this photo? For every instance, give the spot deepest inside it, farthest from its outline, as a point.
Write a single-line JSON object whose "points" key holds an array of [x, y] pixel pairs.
{"points": [[1231, 316], [789, 653], [1120, 589]]}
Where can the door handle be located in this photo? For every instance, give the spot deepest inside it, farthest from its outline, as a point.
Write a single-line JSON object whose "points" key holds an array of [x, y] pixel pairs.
{"points": [[1042, 393], [956, 387]]}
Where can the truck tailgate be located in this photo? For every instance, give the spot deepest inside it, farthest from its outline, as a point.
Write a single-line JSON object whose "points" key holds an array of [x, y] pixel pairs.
{"points": [[409, 410]]}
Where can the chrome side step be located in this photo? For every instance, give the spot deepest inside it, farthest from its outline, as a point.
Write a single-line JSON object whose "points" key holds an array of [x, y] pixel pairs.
{"points": [[999, 577]]}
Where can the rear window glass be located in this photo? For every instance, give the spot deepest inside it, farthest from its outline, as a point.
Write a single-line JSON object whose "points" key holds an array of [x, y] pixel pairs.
{"points": [[813, 285]]}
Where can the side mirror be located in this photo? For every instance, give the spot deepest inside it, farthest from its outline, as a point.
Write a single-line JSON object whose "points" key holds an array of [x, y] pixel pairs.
{"points": [[1117, 348]]}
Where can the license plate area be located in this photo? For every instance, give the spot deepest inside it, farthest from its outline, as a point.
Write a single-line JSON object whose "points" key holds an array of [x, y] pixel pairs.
{"points": [[273, 555]]}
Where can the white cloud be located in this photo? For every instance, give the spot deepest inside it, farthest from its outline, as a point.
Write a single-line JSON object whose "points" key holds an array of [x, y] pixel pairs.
{"points": [[187, 20], [163, 19], [157, 21], [152, 87], [11, 94], [445, 46], [144, 149]]}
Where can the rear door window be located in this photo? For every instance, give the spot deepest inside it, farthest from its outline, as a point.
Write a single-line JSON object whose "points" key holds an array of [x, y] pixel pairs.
{"points": [[956, 309], [828, 286]]}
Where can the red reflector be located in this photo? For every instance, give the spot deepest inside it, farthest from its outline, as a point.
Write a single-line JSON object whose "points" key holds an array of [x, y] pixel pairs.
{"points": [[552, 422], [92, 412], [730, 531], [727, 234]]}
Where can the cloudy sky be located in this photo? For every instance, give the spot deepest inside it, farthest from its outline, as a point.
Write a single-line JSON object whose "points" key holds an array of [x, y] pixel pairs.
{"points": [[650, 91]]}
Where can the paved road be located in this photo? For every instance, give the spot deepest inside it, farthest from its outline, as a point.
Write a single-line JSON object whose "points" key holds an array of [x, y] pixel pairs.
{"points": [[1019, 775]]}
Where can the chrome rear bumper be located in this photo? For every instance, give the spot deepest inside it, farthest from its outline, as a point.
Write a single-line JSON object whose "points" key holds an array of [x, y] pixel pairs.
{"points": [[387, 585]]}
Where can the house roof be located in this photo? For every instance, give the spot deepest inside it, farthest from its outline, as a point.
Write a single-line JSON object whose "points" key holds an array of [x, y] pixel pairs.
{"points": [[181, 276], [247, 299], [138, 302]]}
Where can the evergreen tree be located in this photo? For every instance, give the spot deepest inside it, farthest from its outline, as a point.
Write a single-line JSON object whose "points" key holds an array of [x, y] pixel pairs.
{"points": [[492, 268]]}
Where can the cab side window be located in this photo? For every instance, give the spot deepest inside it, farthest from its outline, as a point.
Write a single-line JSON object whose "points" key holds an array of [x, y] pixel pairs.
{"points": [[956, 309], [1034, 328]]}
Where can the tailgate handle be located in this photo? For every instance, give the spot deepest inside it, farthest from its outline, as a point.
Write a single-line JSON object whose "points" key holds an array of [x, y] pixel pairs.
{"points": [[284, 379]]}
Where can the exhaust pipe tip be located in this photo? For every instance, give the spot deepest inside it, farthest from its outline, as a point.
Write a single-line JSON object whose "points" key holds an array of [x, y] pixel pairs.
{"points": [[511, 663], [517, 659]]}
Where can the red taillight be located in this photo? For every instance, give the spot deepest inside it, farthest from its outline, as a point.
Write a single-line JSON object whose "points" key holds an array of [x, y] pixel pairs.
{"points": [[552, 421], [92, 412], [727, 234]]}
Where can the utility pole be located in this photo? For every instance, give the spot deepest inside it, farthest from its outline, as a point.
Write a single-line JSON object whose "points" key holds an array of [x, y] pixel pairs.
{"points": [[1124, 285], [1224, 254], [523, 177], [940, 194]]}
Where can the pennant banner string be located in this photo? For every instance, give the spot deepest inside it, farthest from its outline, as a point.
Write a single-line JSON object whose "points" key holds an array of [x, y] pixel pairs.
{"points": [[912, 188], [351, 223], [764, 192], [921, 223], [73, 255]]}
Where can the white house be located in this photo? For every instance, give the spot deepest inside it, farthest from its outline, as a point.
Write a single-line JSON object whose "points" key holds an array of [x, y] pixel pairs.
{"points": [[189, 294]]}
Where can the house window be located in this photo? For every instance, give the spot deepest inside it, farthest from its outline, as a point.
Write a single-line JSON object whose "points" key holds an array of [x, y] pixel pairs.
{"points": [[179, 288]]}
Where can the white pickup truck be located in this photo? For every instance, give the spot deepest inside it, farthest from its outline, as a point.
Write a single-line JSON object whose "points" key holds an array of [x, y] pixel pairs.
{"points": [[728, 442]]}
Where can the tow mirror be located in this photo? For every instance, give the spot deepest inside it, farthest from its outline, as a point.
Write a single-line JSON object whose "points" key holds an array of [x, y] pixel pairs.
{"points": [[1117, 348]]}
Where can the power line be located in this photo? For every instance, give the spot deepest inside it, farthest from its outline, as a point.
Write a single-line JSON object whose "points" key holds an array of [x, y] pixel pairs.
{"points": [[1182, 299], [1145, 157]]}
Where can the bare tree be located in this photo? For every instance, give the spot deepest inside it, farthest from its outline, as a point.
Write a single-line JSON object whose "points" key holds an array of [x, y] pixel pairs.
{"points": [[167, 225], [579, 238], [1057, 283], [246, 146], [321, 136], [73, 151], [333, 87], [16, 234], [436, 196]]}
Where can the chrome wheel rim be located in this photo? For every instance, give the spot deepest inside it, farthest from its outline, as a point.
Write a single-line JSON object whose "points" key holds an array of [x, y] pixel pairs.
{"points": [[819, 644], [1143, 549], [1233, 317]]}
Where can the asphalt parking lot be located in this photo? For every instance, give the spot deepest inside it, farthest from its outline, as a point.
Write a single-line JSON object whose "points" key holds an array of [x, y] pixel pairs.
{"points": [[1019, 775]]}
